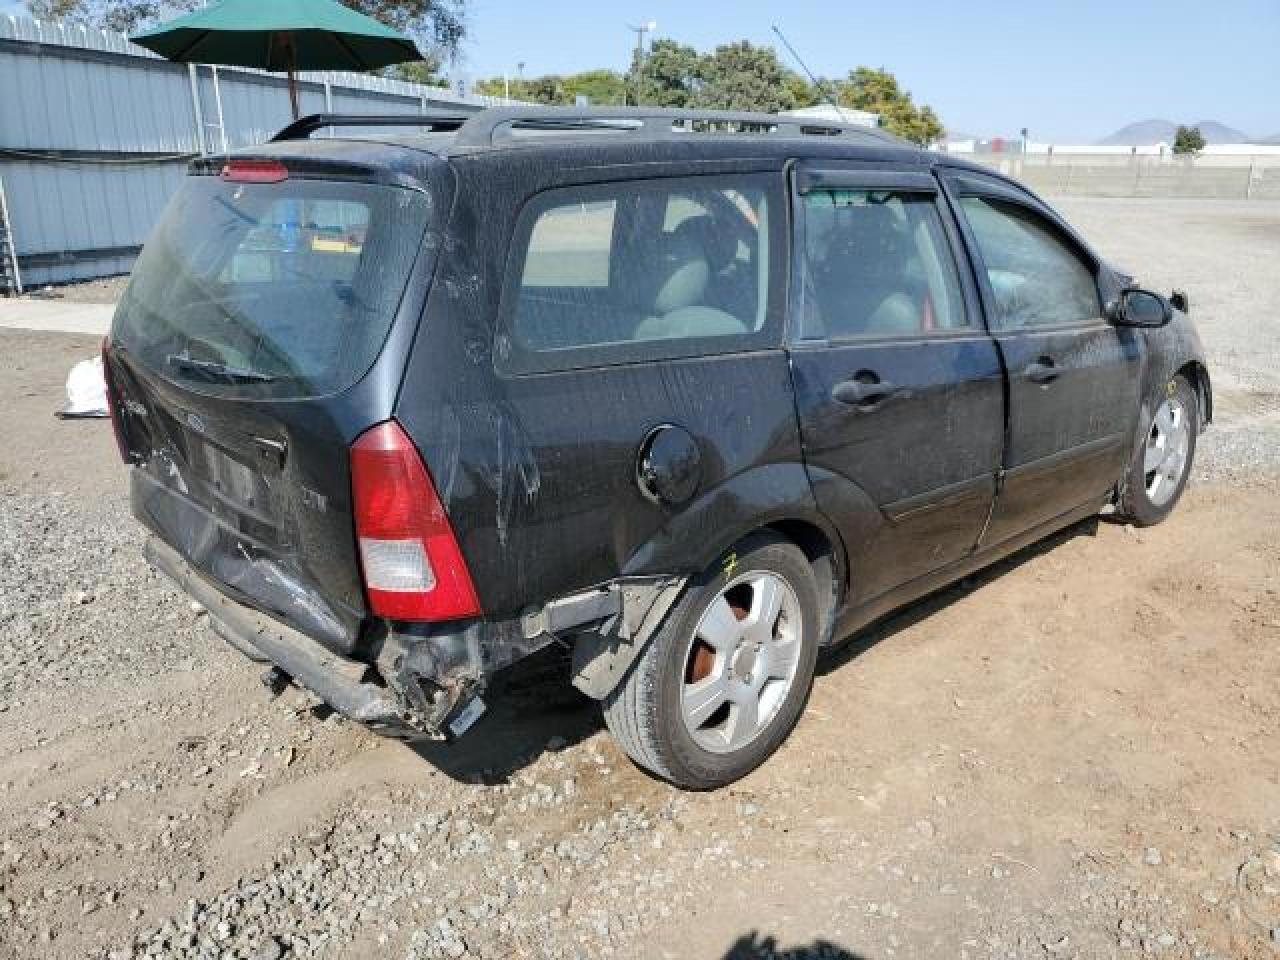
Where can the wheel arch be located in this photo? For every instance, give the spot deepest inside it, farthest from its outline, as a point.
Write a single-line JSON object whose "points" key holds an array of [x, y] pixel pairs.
{"points": [[1198, 374], [826, 556], [774, 498]]}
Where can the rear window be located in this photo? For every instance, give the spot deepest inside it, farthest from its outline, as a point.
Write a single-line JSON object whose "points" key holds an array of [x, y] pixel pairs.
{"points": [[271, 290], [636, 270]]}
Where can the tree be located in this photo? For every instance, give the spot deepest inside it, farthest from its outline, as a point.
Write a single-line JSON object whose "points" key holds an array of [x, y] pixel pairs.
{"points": [[668, 77], [878, 92], [599, 86], [428, 71], [604, 87], [438, 25], [801, 91], [1188, 141], [739, 76]]}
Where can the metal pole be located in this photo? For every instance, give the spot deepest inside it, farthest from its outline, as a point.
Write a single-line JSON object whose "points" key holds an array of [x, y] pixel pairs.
{"points": [[8, 232], [199, 110], [1248, 184], [640, 31], [217, 99]]}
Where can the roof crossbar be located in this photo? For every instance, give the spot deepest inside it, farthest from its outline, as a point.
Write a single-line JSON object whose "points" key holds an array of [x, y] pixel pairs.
{"points": [[303, 127]]}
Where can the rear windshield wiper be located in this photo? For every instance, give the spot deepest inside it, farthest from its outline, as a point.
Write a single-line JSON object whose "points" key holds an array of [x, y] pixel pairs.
{"points": [[218, 372]]}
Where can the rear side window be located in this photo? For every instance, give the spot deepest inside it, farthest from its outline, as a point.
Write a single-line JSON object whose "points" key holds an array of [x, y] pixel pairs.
{"points": [[271, 290], [1037, 279], [636, 270], [877, 264]]}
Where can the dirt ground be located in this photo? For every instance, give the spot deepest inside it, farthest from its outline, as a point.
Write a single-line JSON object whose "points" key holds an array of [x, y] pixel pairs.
{"points": [[1071, 755]]}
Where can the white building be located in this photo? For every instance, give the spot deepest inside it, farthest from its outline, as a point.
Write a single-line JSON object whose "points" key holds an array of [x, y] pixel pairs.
{"points": [[829, 113]]}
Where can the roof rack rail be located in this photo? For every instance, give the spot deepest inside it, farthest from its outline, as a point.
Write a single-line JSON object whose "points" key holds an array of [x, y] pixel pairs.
{"points": [[495, 123], [303, 127]]}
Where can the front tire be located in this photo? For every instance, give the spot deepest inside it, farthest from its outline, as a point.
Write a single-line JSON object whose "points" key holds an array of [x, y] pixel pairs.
{"points": [[1162, 462], [726, 677]]}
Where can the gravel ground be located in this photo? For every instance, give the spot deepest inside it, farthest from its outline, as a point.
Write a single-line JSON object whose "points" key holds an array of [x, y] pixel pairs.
{"points": [[1224, 254], [1071, 755], [105, 290]]}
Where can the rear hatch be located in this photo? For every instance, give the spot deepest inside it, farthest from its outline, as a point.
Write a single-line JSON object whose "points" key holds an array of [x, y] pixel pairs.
{"points": [[240, 362]]}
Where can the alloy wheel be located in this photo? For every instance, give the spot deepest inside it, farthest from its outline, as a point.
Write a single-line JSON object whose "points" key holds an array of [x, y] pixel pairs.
{"points": [[741, 661], [1165, 458]]}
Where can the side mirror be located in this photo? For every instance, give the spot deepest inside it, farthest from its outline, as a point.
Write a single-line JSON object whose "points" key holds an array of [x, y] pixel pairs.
{"points": [[1139, 308]]}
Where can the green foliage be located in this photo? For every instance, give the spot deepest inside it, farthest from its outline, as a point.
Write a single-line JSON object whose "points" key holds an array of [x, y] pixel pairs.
{"points": [[1188, 141], [739, 76], [736, 76], [601, 86], [669, 76], [801, 91], [877, 91], [426, 71]]}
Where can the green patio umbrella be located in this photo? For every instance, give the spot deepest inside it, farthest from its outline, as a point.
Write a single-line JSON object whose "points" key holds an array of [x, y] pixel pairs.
{"points": [[283, 36]]}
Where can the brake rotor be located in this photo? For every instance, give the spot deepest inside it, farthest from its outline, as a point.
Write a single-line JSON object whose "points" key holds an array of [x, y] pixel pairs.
{"points": [[702, 658]]}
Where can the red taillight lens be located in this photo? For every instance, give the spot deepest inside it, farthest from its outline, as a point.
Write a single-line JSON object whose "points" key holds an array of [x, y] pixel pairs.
{"points": [[413, 567], [113, 405], [254, 171]]}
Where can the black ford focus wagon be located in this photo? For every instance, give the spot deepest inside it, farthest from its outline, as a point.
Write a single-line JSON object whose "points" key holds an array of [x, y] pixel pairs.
{"points": [[692, 394]]}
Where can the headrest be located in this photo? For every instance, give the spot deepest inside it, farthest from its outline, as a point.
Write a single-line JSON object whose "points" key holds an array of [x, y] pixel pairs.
{"points": [[717, 244], [681, 273]]}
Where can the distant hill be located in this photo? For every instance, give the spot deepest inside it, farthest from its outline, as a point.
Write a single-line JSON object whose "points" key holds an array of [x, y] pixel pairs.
{"points": [[1147, 132]]}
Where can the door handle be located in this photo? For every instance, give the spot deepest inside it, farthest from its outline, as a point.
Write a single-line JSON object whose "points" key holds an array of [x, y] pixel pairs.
{"points": [[1042, 371], [862, 393]]}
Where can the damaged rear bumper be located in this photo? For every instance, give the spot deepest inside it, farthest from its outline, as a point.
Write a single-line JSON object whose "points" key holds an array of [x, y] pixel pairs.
{"points": [[426, 680], [408, 707]]}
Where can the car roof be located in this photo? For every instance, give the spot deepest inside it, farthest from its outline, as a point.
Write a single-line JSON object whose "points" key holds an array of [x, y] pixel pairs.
{"points": [[593, 136], [556, 128]]}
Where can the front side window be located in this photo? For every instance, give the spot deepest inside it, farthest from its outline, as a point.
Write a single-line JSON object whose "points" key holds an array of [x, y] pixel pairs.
{"points": [[617, 272], [1037, 279], [877, 264]]}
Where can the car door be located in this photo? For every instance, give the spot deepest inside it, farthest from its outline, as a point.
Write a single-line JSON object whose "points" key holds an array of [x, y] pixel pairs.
{"points": [[898, 387], [1073, 377]]}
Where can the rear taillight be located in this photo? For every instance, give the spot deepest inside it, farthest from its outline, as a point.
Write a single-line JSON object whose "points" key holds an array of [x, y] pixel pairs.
{"points": [[413, 567], [255, 171], [113, 405]]}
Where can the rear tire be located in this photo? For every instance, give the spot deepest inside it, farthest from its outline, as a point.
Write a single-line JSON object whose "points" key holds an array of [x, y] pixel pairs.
{"points": [[725, 679], [1162, 462]]}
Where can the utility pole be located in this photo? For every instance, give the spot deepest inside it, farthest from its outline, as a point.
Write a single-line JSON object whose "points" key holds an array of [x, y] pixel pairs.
{"points": [[640, 31]]}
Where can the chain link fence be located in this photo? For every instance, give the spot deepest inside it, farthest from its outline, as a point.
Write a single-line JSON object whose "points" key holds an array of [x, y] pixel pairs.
{"points": [[1109, 175]]}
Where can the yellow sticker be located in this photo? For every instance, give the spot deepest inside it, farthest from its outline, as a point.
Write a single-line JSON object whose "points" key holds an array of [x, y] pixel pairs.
{"points": [[332, 245], [730, 564]]}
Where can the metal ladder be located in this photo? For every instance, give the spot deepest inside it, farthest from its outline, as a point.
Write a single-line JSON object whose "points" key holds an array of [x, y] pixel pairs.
{"points": [[10, 275]]}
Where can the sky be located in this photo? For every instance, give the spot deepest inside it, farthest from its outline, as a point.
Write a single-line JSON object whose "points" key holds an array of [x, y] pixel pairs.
{"points": [[1071, 72], [1068, 71]]}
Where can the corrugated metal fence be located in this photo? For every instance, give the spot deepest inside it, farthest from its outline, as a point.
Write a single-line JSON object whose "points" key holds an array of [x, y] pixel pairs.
{"points": [[95, 134]]}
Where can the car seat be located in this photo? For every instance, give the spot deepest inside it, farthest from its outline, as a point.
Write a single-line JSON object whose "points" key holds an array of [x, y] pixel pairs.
{"points": [[679, 281]]}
